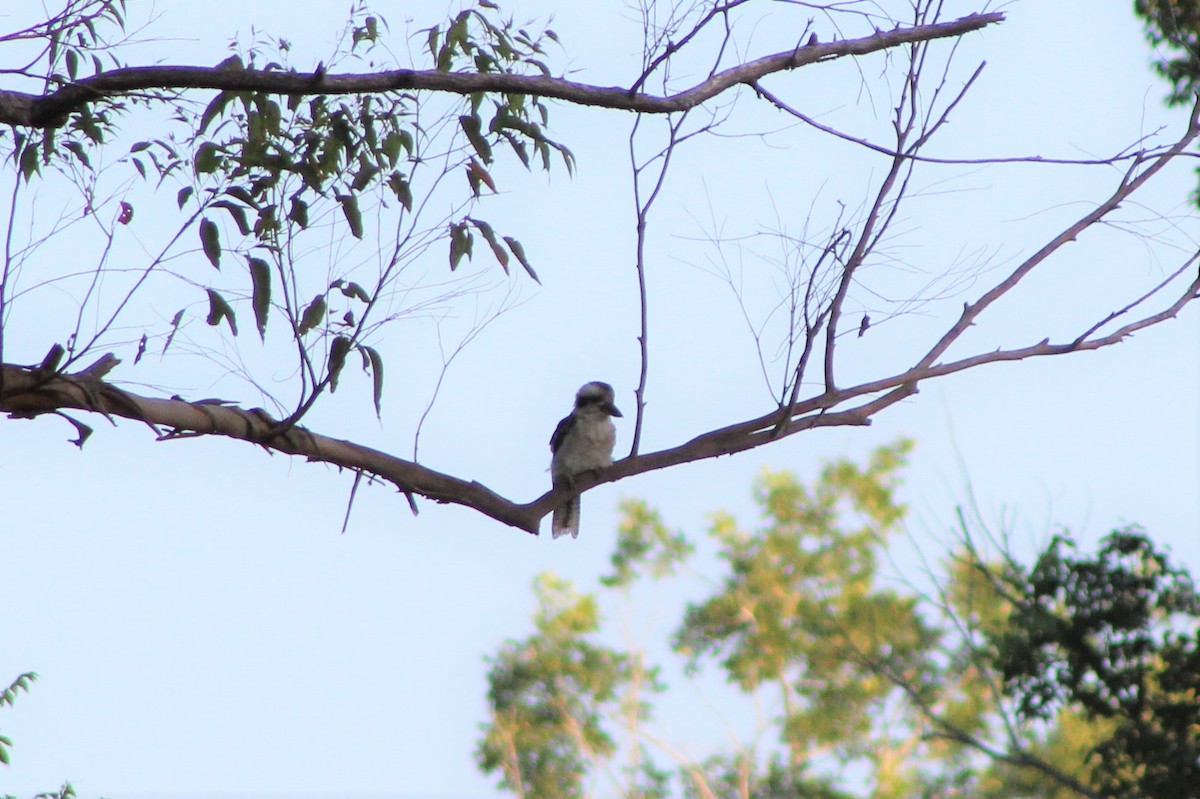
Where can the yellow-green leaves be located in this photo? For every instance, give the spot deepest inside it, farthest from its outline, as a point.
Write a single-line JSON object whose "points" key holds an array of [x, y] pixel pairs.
{"points": [[643, 541], [548, 696]]}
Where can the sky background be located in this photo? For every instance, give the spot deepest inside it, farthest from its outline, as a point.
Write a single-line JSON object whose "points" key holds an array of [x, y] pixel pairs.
{"points": [[200, 625]]}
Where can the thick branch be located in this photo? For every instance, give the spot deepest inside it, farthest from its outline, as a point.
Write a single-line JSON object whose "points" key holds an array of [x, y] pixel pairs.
{"points": [[28, 393], [52, 110]]}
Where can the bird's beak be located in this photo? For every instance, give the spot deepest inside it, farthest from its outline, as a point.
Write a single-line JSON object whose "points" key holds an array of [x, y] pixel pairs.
{"points": [[611, 409]]}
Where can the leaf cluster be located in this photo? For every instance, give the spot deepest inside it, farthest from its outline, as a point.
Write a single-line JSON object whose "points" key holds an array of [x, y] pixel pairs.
{"points": [[259, 174], [1174, 26], [7, 698], [547, 694], [1116, 635]]}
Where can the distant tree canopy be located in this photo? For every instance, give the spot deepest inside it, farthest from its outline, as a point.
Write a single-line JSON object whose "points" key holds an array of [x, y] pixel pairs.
{"points": [[1076, 677]]}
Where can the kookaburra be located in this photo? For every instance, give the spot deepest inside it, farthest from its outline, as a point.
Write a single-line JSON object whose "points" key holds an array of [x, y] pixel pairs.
{"points": [[583, 441]]}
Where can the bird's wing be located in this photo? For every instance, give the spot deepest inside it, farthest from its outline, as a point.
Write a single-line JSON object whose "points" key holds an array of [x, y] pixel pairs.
{"points": [[561, 432]]}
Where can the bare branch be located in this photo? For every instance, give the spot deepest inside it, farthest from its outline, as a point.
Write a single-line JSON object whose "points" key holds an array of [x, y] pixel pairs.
{"points": [[1129, 184]]}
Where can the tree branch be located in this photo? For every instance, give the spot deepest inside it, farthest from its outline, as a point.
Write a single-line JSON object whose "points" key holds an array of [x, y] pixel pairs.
{"points": [[52, 110], [30, 391]]}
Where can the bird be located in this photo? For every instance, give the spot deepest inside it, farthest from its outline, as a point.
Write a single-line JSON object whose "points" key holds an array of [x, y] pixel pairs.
{"points": [[582, 441]]}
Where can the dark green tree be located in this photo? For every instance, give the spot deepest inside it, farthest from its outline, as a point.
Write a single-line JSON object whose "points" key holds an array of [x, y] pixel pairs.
{"points": [[1114, 636], [1173, 28]]}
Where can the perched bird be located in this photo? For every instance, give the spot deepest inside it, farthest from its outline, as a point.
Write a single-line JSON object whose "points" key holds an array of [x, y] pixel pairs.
{"points": [[583, 441]]}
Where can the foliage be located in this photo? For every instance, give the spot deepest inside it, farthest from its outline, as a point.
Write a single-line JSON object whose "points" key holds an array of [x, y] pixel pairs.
{"points": [[258, 179], [7, 698], [1116, 635], [864, 688], [1174, 26], [21, 683], [547, 694]]}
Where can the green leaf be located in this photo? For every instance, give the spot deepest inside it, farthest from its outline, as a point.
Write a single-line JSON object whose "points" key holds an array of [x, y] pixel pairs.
{"points": [[298, 212], [184, 194], [77, 149], [461, 243], [376, 361], [237, 212], [313, 315], [260, 280], [354, 291], [337, 359], [210, 240], [476, 175], [489, 236], [432, 41], [72, 64], [519, 251], [517, 145], [353, 216], [207, 158], [29, 161], [401, 189], [219, 309], [473, 128], [214, 109], [243, 194], [364, 177], [390, 147]]}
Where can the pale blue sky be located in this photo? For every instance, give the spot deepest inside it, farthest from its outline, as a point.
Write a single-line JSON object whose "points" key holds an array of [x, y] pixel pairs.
{"points": [[201, 627]]}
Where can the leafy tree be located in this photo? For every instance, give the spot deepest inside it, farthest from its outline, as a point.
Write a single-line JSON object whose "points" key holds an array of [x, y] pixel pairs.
{"points": [[547, 694], [308, 217], [1076, 677], [1116, 636]]}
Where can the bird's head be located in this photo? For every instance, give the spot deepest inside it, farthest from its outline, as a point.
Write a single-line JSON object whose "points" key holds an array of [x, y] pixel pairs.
{"points": [[596, 395]]}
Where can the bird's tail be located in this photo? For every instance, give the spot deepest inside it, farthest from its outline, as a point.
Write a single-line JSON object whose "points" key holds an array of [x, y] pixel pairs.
{"points": [[566, 519]]}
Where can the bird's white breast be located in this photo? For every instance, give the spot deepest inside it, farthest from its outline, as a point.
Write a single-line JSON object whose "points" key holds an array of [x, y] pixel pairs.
{"points": [[589, 445]]}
